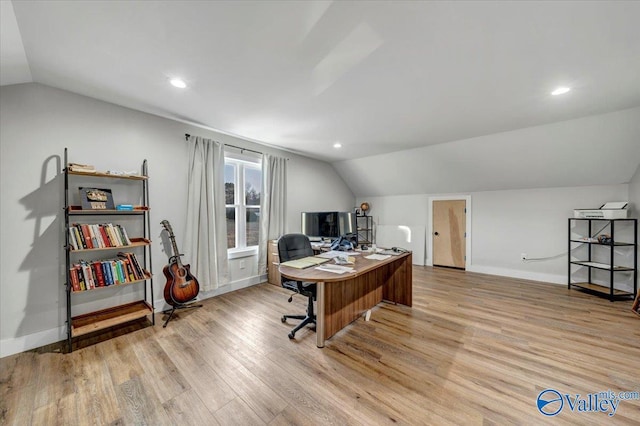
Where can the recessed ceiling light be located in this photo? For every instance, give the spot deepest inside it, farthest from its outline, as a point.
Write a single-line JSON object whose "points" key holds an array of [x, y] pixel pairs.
{"points": [[178, 83], [337, 145], [560, 91]]}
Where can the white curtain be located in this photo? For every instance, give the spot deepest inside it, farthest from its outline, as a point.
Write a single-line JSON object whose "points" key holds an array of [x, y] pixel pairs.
{"points": [[206, 236], [273, 204]]}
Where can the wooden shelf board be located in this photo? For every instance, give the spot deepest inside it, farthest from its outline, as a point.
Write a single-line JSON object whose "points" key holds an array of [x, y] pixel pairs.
{"points": [[602, 266], [601, 289], [619, 244], [135, 242], [78, 210], [99, 320], [108, 175]]}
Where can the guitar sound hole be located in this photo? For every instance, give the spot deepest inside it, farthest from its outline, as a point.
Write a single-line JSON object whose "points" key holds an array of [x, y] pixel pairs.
{"points": [[181, 272]]}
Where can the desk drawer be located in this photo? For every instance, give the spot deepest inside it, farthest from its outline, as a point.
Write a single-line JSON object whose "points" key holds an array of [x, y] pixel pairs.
{"points": [[273, 261]]}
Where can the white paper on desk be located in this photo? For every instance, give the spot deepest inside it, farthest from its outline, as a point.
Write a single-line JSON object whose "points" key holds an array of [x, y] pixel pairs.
{"points": [[334, 253], [378, 256], [336, 269], [330, 254]]}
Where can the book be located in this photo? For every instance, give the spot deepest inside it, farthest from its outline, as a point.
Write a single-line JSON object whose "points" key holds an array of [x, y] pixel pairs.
{"points": [[106, 270], [105, 236], [125, 238], [88, 275], [87, 236], [80, 236], [94, 240], [97, 272], [121, 275], [72, 239], [114, 272], [114, 236], [137, 269], [129, 268], [85, 168], [98, 235], [73, 277], [81, 281]]}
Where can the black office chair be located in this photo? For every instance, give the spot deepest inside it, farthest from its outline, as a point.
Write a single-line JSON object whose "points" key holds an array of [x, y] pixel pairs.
{"points": [[292, 247]]}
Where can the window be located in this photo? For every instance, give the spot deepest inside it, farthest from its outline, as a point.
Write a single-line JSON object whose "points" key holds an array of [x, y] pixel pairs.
{"points": [[242, 184]]}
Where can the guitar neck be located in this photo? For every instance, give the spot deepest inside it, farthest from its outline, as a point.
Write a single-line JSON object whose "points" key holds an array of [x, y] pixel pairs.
{"points": [[176, 253]]}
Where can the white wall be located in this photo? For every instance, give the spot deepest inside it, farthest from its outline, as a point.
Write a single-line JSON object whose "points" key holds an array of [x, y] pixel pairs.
{"points": [[581, 163], [596, 150], [532, 221], [634, 194], [508, 223], [634, 202], [37, 123]]}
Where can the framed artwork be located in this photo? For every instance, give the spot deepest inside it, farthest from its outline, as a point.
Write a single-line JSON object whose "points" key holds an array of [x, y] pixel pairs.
{"points": [[96, 199]]}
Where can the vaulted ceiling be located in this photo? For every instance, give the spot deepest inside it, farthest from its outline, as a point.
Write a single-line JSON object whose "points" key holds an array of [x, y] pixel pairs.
{"points": [[378, 77]]}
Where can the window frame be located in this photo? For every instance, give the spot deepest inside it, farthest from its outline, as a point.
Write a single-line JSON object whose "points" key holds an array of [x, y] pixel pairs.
{"points": [[241, 162]]}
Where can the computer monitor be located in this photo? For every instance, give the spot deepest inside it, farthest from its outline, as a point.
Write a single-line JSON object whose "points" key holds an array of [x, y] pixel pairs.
{"points": [[328, 224]]}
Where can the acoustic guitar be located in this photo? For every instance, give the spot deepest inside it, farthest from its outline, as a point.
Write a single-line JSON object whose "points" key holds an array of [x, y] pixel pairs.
{"points": [[181, 286]]}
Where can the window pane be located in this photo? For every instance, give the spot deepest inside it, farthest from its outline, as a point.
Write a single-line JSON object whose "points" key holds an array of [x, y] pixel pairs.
{"points": [[231, 227], [229, 183], [253, 226], [252, 186]]}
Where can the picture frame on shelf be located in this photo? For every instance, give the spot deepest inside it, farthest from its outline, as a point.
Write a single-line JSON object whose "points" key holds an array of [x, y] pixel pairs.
{"points": [[96, 199]]}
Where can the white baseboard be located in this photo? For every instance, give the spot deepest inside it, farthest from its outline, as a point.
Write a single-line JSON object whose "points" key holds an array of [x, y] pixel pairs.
{"points": [[14, 345], [161, 305], [514, 273]]}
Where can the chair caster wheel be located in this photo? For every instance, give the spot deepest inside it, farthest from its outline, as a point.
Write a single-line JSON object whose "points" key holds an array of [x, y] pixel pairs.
{"points": [[291, 336], [283, 319]]}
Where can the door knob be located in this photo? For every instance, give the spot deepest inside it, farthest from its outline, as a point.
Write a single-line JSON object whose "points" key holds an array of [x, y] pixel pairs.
{"points": [[436, 233]]}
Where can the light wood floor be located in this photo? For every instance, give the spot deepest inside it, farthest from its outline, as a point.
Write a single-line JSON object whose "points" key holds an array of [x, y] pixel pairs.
{"points": [[474, 350]]}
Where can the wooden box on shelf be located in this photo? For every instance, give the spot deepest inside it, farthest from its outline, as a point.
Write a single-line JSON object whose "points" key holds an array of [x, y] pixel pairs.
{"points": [[99, 320]]}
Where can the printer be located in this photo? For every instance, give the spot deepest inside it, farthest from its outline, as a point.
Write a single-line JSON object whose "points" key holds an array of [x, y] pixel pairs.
{"points": [[612, 210]]}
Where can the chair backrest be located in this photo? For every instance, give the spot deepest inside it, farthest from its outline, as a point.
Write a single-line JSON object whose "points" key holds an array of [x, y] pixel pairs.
{"points": [[294, 246]]}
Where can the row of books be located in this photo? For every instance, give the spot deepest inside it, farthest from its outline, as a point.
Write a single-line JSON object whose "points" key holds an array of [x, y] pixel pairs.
{"points": [[102, 273], [88, 236]]}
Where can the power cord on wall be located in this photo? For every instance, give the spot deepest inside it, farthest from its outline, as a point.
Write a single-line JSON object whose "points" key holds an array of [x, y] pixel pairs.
{"points": [[559, 255]]}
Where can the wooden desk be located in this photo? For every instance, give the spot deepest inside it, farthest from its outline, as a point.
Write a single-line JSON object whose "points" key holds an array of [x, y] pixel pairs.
{"points": [[343, 298]]}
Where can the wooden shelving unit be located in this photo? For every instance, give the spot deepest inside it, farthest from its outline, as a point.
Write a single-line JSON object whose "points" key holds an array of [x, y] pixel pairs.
{"points": [[79, 325]]}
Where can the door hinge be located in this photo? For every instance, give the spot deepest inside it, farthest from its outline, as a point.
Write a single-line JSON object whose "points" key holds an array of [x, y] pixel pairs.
{"points": [[465, 235], [465, 210]]}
